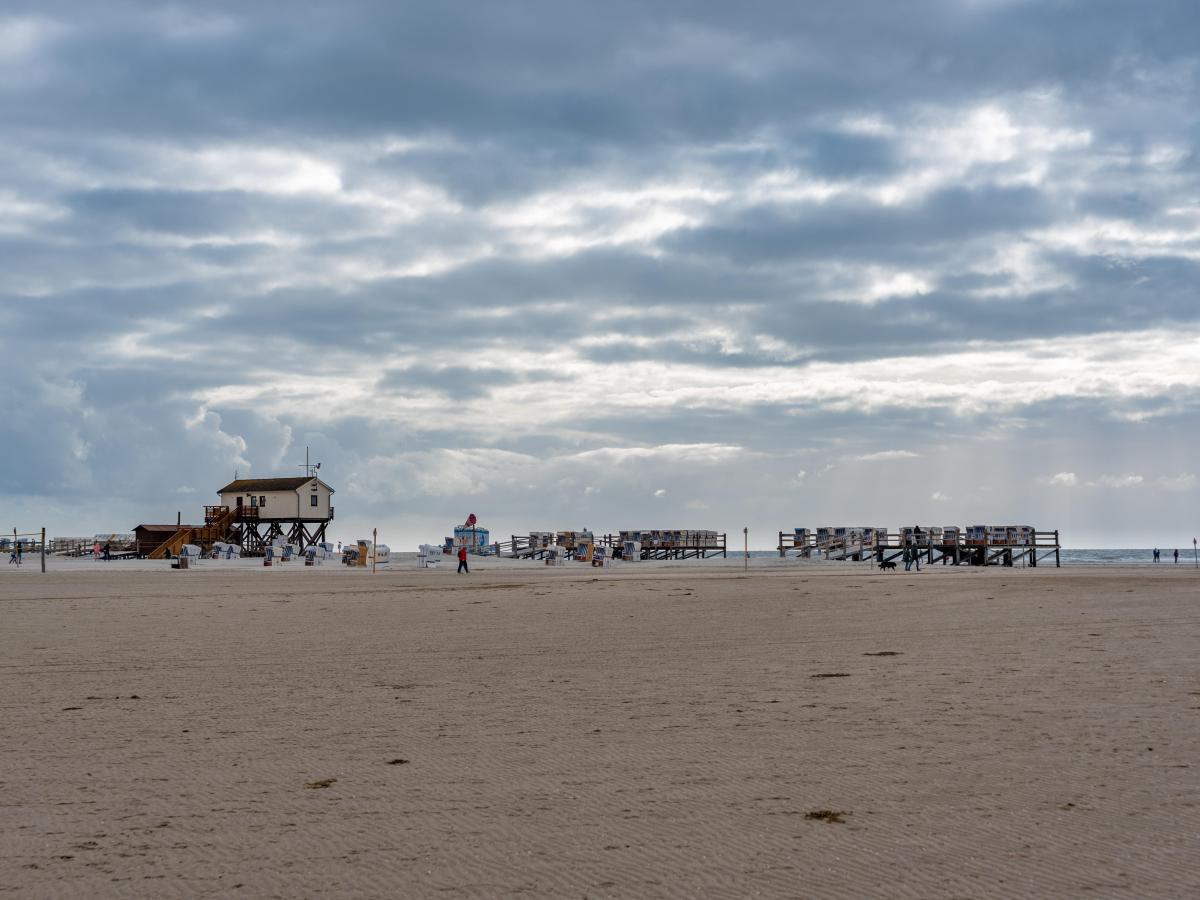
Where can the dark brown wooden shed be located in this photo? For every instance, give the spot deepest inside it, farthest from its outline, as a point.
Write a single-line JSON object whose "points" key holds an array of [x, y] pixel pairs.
{"points": [[150, 537]]}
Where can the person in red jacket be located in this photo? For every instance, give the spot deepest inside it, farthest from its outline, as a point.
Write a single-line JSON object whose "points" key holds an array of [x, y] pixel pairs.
{"points": [[462, 561]]}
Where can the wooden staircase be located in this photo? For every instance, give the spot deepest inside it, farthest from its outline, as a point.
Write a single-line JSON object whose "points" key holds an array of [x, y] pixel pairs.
{"points": [[172, 545], [218, 523]]}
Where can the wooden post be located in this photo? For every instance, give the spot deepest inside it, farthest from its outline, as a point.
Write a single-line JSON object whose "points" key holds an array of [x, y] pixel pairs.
{"points": [[43, 551], [374, 548], [1057, 559], [746, 549]]}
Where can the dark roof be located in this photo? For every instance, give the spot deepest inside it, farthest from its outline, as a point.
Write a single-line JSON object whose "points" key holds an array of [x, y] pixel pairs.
{"points": [[249, 485], [171, 528]]}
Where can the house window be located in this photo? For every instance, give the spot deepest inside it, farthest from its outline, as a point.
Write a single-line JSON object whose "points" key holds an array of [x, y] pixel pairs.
{"points": [[253, 500], [262, 501], [312, 500]]}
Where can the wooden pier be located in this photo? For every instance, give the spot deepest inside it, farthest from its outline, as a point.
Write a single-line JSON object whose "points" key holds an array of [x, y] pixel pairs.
{"points": [[947, 545], [667, 544], [521, 546], [649, 544]]}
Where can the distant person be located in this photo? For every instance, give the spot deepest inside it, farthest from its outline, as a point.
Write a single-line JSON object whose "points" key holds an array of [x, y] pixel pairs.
{"points": [[1176, 556], [1156, 554], [96, 550], [462, 561], [14, 555], [907, 556], [107, 552], [20, 550], [339, 546], [916, 556]]}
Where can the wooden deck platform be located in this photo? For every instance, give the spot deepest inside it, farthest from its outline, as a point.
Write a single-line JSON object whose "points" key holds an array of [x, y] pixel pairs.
{"points": [[879, 546], [660, 544]]}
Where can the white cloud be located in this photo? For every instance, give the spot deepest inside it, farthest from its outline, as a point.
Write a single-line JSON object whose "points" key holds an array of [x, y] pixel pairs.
{"points": [[661, 492], [939, 497], [1117, 481], [887, 455], [435, 473], [689, 453], [22, 38], [1181, 482], [895, 284], [1177, 483], [235, 167]]}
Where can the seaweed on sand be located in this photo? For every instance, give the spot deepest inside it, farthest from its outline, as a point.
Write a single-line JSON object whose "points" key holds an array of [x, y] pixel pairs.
{"points": [[829, 816]]}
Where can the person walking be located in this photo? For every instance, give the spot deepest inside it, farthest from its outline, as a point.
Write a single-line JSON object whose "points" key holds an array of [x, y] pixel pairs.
{"points": [[907, 556], [462, 561], [1156, 555], [108, 552], [1176, 556]]}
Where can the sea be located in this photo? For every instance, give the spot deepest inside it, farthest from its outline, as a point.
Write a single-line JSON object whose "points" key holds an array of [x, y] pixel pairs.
{"points": [[1090, 557], [1132, 557]]}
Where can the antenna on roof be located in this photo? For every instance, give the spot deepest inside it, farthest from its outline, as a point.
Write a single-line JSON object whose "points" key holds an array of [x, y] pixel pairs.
{"points": [[310, 469]]}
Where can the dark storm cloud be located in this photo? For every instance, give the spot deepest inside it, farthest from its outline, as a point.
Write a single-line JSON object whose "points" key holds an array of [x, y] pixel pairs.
{"points": [[459, 382], [200, 213], [862, 232], [481, 174], [562, 68], [841, 155], [209, 212]]}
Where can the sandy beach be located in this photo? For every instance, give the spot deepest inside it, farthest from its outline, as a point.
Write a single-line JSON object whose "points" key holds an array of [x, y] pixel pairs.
{"points": [[637, 732]]}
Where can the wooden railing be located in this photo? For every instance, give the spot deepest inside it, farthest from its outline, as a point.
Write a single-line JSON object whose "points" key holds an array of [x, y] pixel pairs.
{"points": [[212, 513]]}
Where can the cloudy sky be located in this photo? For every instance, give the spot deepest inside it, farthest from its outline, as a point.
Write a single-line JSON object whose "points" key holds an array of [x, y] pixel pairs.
{"points": [[609, 265]]}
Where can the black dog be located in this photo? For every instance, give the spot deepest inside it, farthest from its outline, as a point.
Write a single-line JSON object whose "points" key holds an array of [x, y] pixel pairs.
{"points": [[888, 564]]}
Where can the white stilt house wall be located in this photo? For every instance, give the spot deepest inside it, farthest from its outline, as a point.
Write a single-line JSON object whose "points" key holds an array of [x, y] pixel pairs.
{"points": [[297, 509]]}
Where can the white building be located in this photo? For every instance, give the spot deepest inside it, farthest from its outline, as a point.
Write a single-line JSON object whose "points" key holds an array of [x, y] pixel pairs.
{"points": [[293, 499]]}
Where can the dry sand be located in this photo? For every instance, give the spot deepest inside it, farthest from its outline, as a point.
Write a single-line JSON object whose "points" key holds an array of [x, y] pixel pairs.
{"points": [[571, 733]]}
